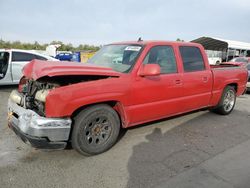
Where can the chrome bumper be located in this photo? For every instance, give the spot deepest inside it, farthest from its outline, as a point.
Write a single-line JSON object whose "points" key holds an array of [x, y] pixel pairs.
{"points": [[31, 124]]}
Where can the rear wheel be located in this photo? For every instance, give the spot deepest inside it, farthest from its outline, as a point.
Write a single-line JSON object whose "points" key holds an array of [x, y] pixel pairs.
{"points": [[96, 130], [227, 102]]}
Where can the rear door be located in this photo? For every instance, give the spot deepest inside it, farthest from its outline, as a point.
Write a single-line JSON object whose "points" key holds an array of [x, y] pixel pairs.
{"points": [[19, 59], [197, 78]]}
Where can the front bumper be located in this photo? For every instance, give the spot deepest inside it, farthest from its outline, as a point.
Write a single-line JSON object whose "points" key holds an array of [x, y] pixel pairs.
{"points": [[40, 132]]}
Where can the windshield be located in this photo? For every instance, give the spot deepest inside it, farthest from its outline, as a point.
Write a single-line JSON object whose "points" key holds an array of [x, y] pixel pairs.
{"points": [[119, 57]]}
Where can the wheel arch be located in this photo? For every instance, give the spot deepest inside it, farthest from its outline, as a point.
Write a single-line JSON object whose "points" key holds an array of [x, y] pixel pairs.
{"points": [[220, 107], [116, 105], [234, 85], [219, 92]]}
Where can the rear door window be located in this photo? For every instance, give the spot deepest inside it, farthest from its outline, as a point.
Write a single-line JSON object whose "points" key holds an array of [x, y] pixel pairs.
{"points": [[192, 59], [22, 56]]}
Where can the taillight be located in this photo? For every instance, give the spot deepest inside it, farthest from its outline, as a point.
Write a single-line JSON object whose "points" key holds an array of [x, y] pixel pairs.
{"points": [[22, 83]]}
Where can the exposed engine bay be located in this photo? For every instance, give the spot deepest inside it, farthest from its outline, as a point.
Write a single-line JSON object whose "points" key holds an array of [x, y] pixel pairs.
{"points": [[33, 93]]}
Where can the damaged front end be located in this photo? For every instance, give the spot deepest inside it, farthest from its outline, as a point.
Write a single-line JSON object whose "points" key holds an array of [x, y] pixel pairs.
{"points": [[32, 93], [39, 131], [27, 106], [27, 119], [26, 109]]}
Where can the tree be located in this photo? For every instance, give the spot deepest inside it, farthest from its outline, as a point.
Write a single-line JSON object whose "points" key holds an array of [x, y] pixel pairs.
{"points": [[37, 46], [179, 40]]}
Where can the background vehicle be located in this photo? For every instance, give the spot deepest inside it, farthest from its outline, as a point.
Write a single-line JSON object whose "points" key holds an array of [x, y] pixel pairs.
{"points": [[241, 60], [122, 85], [64, 56], [81, 57], [214, 57], [12, 62], [214, 60], [238, 61]]}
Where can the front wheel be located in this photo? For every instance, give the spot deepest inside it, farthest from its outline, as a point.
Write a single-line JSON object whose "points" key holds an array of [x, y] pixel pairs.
{"points": [[96, 129], [227, 102]]}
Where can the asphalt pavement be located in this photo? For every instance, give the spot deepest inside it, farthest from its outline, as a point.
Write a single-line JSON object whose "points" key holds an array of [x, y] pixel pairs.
{"points": [[199, 149]]}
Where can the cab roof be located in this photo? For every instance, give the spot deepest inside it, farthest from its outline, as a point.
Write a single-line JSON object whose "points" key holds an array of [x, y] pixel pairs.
{"points": [[156, 42]]}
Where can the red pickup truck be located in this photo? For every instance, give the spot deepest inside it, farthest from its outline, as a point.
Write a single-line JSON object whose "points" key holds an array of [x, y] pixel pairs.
{"points": [[122, 85]]}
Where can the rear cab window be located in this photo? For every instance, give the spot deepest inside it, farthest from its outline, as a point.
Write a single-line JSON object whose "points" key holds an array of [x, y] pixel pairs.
{"points": [[192, 59]]}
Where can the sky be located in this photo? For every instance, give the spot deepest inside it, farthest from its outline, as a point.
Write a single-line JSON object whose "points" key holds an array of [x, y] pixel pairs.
{"points": [[99, 22]]}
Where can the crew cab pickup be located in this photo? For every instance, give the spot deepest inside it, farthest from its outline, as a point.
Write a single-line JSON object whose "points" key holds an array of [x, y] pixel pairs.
{"points": [[122, 85]]}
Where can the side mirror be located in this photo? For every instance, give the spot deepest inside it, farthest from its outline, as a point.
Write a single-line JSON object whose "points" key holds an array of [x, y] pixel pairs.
{"points": [[150, 70]]}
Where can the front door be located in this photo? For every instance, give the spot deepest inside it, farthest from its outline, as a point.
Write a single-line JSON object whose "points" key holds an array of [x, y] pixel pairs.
{"points": [[157, 96]]}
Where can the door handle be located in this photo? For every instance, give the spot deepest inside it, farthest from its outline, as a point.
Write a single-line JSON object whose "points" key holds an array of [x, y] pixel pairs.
{"points": [[177, 82], [205, 79]]}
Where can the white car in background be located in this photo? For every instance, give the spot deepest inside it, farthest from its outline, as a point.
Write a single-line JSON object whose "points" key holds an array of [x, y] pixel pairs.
{"points": [[12, 62], [214, 57], [214, 60]]}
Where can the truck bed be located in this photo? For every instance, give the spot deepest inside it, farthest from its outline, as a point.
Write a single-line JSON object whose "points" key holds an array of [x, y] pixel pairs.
{"points": [[223, 66], [224, 75]]}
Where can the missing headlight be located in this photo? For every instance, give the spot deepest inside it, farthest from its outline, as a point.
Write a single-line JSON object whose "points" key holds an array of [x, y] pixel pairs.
{"points": [[41, 95]]}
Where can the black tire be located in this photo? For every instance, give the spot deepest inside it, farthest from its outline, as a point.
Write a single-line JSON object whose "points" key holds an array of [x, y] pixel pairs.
{"points": [[227, 102], [217, 63], [96, 129]]}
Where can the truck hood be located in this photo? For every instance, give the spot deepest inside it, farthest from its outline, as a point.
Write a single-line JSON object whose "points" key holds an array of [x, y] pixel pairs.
{"points": [[37, 69]]}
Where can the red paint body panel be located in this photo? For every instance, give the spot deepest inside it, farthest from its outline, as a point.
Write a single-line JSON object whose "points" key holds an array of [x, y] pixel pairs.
{"points": [[139, 99]]}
